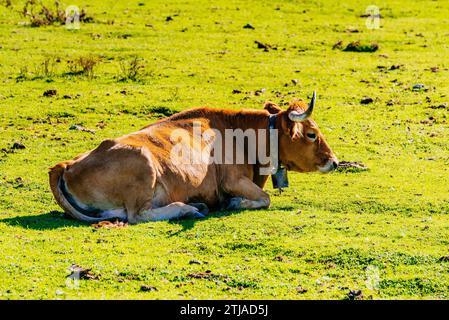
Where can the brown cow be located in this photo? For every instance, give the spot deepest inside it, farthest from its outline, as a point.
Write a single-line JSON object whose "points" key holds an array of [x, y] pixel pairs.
{"points": [[134, 177]]}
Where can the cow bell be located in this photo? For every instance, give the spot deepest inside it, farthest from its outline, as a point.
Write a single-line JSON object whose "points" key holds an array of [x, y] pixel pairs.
{"points": [[280, 179]]}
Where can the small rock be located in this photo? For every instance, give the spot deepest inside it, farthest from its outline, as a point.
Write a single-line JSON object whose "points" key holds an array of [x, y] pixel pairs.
{"points": [[50, 93], [338, 45], [395, 67], [264, 46], [248, 26], [418, 87], [194, 261], [355, 294], [66, 96], [300, 290], [123, 92], [80, 128], [367, 100], [17, 146], [428, 122], [145, 288], [169, 18], [59, 292], [434, 69], [101, 124], [295, 81], [235, 91], [440, 106], [81, 273], [259, 92], [279, 258]]}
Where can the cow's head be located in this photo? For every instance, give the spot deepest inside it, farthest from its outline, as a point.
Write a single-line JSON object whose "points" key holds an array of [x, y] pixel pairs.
{"points": [[302, 146]]}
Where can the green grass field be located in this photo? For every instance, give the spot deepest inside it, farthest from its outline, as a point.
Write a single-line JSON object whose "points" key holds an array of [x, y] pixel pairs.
{"points": [[384, 231]]}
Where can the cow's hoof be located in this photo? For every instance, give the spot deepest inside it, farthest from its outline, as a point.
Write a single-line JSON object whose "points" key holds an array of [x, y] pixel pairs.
{"points": [[199, 215], [202, 207], [195, 215], [234, 203], [191, 212]]}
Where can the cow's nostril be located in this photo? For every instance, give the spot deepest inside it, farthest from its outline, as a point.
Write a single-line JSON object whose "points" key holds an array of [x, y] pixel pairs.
{"points": [[335, 164]]}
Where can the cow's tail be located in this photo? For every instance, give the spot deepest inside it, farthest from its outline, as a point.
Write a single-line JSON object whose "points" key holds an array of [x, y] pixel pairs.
{"points": [[66, 201]]}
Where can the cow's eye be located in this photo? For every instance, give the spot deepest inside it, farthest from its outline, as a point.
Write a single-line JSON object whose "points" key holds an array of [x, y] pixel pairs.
{"points": [[311, 136]]}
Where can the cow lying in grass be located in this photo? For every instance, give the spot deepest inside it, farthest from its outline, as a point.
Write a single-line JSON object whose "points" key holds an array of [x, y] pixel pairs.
{"points": [[135, 177]]}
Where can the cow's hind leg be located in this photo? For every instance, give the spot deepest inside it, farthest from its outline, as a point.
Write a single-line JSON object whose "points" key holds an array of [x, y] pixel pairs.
{"points": [[175, 210], [247, 195]]}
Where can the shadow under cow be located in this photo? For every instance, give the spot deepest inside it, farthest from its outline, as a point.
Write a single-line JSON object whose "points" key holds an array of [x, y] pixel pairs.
{"points": [[57, 219], [45, 221]]}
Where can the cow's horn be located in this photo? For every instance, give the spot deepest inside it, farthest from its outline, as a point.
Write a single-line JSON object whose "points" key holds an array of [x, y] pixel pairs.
{"points": [[298, 117]]}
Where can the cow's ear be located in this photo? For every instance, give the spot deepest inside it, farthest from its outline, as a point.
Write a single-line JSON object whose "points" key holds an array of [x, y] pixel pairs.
{"points": [[292, 128], [296, 131], [272, 107]]}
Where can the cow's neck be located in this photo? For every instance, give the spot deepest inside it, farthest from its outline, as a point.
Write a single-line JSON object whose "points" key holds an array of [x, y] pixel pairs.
{"points": [[252, 119], [258, 120]]}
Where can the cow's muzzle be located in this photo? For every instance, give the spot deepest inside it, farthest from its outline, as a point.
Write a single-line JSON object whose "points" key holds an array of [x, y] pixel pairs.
{"points": [[330, 165]]}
